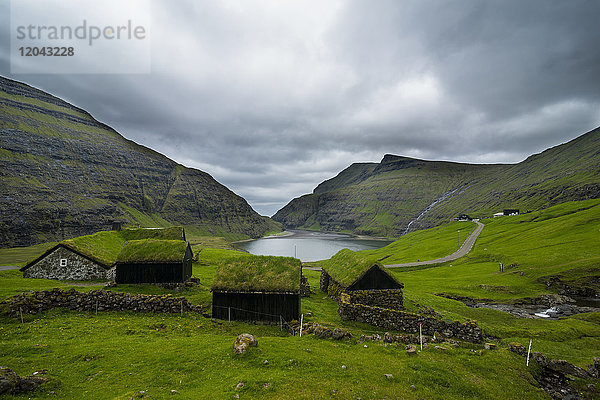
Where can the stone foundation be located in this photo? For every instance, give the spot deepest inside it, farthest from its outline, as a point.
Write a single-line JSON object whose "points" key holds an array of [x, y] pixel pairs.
{"points": [[95, 300], [386, 298]]}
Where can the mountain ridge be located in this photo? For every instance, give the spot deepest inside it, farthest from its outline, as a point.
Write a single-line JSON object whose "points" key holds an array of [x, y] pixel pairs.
{"points": [[382, 199], [65, 174]]}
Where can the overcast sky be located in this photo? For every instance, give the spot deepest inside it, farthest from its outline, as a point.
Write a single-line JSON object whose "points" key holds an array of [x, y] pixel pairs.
{"points": [[273, 97]]}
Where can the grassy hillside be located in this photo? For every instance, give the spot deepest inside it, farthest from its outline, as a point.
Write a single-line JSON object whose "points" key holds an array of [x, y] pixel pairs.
{"points": [[64, 174], [382, 199], [115, 354]]}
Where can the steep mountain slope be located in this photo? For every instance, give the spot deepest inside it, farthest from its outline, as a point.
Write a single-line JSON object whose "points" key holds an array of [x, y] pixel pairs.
{"points": [[402, 193], [64, 174]]}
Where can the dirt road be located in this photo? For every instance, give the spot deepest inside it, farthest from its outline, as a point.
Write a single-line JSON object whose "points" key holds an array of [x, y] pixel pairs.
{"points": [[463, 250]]}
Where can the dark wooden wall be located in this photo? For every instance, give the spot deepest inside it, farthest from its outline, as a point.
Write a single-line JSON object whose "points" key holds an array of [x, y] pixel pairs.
{"points": [[153, 272], [256, 306]]}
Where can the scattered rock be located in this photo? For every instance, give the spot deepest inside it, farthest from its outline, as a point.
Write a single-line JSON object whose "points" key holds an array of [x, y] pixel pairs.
{"points": [[566, 368], [440, 348], [239, 385], [388, 376], [540, 359], [413, 387], [266, 362], [490, 346], [517, 348], [594, 368], [243, 342], [344, 367], [266, 385], [411, 349], [173, 391], [339, 334], [11, 383]]}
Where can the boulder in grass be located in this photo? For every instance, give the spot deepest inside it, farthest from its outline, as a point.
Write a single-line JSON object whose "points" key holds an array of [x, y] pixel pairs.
{"points": [[411, 349], [517, 348], [9, 381], [243, 342]]}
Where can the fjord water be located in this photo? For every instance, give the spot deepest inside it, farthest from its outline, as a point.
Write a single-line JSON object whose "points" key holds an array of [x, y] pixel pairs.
{"points": [[307, 245]]}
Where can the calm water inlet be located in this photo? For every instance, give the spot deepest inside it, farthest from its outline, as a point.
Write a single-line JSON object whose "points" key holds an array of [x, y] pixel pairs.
{"points": [[307, 245]]}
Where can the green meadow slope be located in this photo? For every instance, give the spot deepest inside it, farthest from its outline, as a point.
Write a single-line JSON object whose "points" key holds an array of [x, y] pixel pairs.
{"points": [[64, 174], [114, 354], [382, 199]]}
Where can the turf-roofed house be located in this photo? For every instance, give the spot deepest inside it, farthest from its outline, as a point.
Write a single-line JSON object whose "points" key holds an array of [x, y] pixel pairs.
{"points": [[257, 288], [91, 257], [154, 261], [360, 280]]}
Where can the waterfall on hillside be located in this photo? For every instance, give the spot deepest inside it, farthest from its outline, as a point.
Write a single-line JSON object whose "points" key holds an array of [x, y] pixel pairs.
{"points": [[429, 208]]}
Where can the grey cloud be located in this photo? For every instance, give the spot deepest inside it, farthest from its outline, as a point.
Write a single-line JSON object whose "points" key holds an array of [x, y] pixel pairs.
{"points": [[273, 98]]}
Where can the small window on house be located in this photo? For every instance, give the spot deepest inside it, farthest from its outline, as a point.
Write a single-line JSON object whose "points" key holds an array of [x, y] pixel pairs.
{"points": [[63, 262]]}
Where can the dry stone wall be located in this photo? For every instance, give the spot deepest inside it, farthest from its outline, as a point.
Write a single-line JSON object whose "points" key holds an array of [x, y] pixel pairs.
{"points": [[34, 302], [77, 267], [398, 320]]}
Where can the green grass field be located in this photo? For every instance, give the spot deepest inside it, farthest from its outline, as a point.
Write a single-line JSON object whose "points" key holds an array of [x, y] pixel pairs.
{"points": [[116, 355]]}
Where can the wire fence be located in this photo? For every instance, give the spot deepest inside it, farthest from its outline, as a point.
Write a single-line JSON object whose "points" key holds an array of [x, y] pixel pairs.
{"points": [[272, 317]]}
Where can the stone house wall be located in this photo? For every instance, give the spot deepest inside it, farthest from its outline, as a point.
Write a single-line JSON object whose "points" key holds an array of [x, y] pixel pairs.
{"points": [[77, 268], [408, 322], [389, 298]]}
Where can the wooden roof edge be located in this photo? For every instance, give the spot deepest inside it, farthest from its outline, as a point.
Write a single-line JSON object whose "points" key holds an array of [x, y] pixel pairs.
{"points": [[254, 291]]}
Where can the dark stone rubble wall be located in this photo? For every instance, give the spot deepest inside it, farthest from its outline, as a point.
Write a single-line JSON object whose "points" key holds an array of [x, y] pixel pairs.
{"points": [[34, 302], [398, 320]]}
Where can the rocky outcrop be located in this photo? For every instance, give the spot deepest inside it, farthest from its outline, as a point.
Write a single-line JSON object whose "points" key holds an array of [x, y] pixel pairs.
{"points": [[64, 174], [554, 374], [11, 383]]}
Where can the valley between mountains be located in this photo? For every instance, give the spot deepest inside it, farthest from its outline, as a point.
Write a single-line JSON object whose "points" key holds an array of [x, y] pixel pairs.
{"points": [[527, 291]]}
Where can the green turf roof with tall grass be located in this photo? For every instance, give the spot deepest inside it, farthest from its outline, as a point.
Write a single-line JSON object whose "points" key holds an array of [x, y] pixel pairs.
{"points": [[101, 246], [347, 266], [152, 251], [104, 246], [259, 274], [170, 233]]}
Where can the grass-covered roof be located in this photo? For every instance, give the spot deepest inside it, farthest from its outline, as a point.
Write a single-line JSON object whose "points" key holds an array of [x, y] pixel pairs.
{"points": [[347, 266], [152, 250], [171, 233], [259, 274], [105, 246]]}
